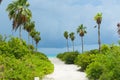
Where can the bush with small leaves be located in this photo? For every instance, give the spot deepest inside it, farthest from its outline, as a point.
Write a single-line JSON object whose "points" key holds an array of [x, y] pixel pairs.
{"points": [[68, 57]]}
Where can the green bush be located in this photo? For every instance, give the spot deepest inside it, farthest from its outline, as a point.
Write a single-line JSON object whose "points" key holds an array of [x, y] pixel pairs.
{"points": [[19, 62], [83, 60], [18, 47], [60, 56], [68, 57], [105, 66], [39, 65], [94, 70]]}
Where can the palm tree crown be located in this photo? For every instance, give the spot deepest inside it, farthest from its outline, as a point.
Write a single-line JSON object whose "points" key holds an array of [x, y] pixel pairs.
{"points": [[0, 1], [81, 30], [66, 34], [37, 38], [118, 25], [72, 37], [98, 18], [66, 37], [19, 13], [29, 26]]}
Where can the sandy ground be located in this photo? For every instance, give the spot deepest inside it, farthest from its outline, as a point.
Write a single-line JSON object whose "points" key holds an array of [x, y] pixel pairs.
{"points": [[65, 72]]}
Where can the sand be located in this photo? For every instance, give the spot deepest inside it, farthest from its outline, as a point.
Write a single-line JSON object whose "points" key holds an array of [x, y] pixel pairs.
{"points": [[65, 72]]}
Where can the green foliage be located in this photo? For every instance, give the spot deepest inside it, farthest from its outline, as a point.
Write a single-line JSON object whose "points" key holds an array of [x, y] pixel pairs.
{"points": [[68, 57], [66, 35], [38, 64], [83, 60], [81, 30], [22, 63], [105, 66], [98, 18], [94, 70], [18, 47]]}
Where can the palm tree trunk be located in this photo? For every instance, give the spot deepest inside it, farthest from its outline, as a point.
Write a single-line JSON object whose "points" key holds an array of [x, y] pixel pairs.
{"points": [[20, 33], [73, 45], [12, 32], [36, 47], [67, 46], [99, 41], [28, 38], [82, 43], [32, 42]]}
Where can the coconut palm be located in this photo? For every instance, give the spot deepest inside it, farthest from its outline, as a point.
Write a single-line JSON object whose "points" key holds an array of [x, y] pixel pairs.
{"points": [[118, 25], [66, 37], [72, 37], [0, 1], [81, 30], [29, 26], [37, 38], [32, 34], [19, 13], [98, 19]]}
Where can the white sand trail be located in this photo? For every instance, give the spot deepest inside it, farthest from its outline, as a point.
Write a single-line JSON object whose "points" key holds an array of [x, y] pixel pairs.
{"points": [[65, 72]]}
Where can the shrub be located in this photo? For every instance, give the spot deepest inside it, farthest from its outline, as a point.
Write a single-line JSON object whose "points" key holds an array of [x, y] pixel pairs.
{"points": [[18, 47], [22, 63], [105, 66], [83, 60], [60, 56], [94, 70], [68, 57]]}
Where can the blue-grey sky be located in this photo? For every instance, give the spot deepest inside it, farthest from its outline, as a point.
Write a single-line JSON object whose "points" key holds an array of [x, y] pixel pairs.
{"points": [[53, 17]]}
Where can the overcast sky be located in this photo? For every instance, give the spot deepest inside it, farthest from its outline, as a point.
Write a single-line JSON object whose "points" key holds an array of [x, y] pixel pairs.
{"points": [[53, 17]]}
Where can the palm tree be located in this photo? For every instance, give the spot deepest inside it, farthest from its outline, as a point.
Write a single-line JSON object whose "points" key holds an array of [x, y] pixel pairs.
{"points": [[37, 38], [19, 14], [66, 37], [32, 34], [29, 26], [0, 1], [118, 25], [72, 37], [98, 19], [81, 30]]}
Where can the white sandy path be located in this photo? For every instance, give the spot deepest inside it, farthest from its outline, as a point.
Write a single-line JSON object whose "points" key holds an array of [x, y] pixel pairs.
{"points": [[65, 72]]}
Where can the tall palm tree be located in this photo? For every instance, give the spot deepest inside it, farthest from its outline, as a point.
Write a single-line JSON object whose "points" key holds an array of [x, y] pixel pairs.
{"points": [[81, 30], [19, 13], [72, 37], [98, 19], [29, 26], [118, 25], [32, 34], [0, 1], [37, 38], [66, 37]]}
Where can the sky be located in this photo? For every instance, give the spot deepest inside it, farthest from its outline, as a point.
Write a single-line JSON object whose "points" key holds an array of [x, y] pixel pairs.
{"points": [[53, 17]]}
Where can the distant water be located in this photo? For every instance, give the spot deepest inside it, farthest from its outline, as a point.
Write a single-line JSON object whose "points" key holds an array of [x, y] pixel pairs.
{"points": [[51, 55]]}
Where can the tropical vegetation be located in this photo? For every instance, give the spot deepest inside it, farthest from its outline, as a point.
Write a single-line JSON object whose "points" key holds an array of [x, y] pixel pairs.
{"points": [[66, 37], [72, 37], [19, 13], [81, 30], [104, 66], [98, 19], [22, 61], [19, 62]]}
